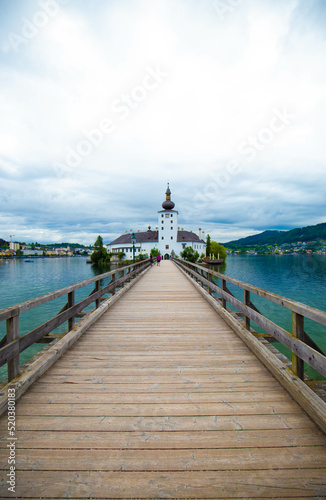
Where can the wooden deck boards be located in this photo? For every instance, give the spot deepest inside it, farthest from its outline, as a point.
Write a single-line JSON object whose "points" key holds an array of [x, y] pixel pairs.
{"points": [[160, 399]]}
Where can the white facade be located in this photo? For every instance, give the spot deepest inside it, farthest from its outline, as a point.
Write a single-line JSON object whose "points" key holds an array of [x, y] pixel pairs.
{"points": [[167, 231]]}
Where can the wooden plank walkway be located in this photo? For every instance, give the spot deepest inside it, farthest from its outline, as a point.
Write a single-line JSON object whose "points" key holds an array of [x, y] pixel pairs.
{"points": [[160, 399]]}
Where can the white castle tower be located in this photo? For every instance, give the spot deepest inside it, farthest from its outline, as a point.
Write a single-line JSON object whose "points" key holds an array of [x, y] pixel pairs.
{"points": [[167, 225]]}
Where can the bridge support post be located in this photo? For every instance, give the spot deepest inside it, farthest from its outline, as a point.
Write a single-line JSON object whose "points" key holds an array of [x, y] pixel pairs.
{"points": [[97, 288], [112, 280], [71, 303], [210, 278], [224, 287], [298, 331], [13, 334], [247, 303]]}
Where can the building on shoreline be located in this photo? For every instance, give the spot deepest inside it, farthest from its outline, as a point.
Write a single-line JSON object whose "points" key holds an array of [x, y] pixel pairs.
{"points": [[168, 238]]}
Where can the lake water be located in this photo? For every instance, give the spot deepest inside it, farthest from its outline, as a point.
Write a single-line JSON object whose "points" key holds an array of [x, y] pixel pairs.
{"points": [[299, 277], [21, 280]]}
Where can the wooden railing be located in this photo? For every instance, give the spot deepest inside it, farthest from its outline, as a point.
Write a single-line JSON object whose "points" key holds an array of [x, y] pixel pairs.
{"points": [[12, 345], [303, 348]]}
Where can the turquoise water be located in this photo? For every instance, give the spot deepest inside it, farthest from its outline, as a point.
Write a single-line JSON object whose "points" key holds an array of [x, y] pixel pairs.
{"points": [[20, 281], [299, 277]]}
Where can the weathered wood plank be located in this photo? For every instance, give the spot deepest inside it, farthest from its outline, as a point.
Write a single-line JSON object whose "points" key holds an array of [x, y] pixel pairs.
{"points": [[34, 397], [158, 410], [171, 460], [167, 423], [75, 387], [264, 438], [199, 484]]}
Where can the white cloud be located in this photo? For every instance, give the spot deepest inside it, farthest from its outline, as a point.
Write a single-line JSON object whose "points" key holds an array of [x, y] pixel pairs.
{"points": [[223, 81]]}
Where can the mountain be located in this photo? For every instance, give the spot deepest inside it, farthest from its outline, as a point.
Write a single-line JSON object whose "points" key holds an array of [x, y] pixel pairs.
{"points": [[271, 237]]}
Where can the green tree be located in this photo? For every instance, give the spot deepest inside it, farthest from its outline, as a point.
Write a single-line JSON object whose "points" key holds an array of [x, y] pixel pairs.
{"points": [[100, 253], [141, 256], [218, 249], [121, 255], [208, 245], [155, 252], [189, 254]]}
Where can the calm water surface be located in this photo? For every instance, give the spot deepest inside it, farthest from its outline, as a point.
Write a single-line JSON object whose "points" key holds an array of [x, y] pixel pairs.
{"points": [[299, 277], [21, 280]]}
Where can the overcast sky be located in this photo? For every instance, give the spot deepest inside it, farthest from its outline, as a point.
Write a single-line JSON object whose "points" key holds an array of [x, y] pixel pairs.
{"points": [[104, 101]]}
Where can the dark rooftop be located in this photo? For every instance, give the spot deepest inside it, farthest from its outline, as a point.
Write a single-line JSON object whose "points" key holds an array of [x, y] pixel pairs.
{"points": [[147, 236], [141, 237]]}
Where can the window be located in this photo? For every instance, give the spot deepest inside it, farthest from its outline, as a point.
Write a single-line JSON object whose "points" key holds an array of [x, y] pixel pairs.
{"points": [[162, 237], [171, 237], [167, 215], [183, 245], [162, 228], [172, 228], [162, 215], [171, 215], [166, 247]]}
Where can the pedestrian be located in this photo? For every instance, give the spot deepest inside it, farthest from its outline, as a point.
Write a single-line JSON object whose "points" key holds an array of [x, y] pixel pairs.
{"points": [[158, 259], [151, 259]]}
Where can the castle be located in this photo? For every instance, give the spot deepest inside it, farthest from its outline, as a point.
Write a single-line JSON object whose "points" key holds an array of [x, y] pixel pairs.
{"points": [[167, 238]]}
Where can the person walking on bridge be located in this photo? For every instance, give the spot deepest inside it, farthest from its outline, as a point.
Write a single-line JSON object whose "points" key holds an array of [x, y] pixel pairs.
{"points": [[158, 259]]}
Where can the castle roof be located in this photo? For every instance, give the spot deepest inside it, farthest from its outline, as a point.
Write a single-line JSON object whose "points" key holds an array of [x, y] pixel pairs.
{"points": [[152, 236], [188, 236], [141, 237]]}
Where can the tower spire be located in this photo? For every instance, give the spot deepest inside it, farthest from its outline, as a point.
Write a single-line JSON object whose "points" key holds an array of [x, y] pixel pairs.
{"points": [[168, 204]]}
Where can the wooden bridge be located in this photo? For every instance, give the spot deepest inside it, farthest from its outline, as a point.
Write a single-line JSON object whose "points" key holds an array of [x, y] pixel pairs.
{"points": [[160, 398]]}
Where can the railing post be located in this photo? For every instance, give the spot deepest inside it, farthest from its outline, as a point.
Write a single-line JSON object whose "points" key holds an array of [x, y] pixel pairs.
{"points": [[71, 303], [210, 278], [13, 334], [224, 288], [298, 331], [97, 288], [112, 280], [247, 302]]}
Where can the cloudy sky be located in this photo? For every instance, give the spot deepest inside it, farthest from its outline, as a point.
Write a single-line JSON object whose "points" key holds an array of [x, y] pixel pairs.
{"points": [[102, 102]]}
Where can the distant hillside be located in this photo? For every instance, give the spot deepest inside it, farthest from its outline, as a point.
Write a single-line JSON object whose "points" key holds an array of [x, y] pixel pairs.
{"points": [[309, 233]]}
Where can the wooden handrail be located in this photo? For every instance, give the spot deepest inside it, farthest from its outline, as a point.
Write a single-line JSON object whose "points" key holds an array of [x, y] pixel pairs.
{"points": [[301, 346], [10, 312], [13, 345], [298, 307]]}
